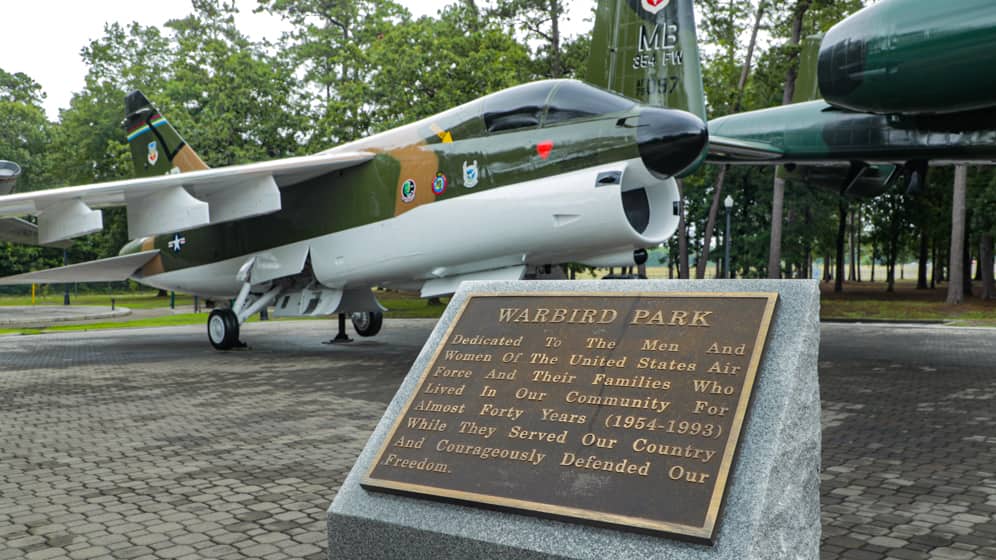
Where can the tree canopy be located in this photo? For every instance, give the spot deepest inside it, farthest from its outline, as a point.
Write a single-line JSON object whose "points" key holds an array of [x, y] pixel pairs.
{"points": [[348, 68]]}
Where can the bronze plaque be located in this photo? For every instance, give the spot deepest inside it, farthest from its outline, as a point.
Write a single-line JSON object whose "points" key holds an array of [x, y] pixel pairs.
{"points": [[614, 408]]}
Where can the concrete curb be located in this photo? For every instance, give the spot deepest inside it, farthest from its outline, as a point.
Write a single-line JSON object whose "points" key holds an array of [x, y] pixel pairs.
{"points": [[887, 321], [27, 317]]}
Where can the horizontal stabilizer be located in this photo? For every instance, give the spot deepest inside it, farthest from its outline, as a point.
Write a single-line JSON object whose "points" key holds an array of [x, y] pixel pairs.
{"points": [[729, 150], [113, 269]]}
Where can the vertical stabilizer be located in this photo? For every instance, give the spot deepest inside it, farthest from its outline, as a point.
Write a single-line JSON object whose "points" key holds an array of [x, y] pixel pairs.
{"points": [[807, 86], [156, 147], [647, 50]]}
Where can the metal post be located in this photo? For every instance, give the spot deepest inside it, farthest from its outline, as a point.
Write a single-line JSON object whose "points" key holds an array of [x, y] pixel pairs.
{"points": [[341, 337], [65, 262], [726, 241], [172, 300]]}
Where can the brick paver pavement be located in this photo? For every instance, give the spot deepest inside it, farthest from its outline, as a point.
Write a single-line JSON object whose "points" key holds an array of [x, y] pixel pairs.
{"points": [[148, 444]]}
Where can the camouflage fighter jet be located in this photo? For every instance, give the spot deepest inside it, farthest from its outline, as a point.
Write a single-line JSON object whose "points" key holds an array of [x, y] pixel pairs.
{"points": [[547, 172], [906, 83]]}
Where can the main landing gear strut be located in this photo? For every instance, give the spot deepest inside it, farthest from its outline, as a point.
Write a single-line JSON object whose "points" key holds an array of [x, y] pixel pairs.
{"points": [[223, 324]]}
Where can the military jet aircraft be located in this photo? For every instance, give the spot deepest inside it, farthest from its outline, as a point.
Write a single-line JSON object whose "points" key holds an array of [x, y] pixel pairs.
{"points": [[547, 172], [906, 83]]}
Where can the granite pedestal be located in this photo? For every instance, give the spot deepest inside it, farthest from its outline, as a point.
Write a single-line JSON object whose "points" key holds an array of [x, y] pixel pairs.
{"points": [[772, 502]]}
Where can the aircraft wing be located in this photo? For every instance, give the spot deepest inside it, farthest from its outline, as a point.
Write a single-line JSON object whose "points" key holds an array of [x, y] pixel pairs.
{"points": [[113, 269], [173, 202], [730, 150]]}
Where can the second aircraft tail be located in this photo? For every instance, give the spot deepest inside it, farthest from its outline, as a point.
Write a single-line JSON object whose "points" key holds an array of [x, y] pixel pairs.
{"points": [[647, 50]]}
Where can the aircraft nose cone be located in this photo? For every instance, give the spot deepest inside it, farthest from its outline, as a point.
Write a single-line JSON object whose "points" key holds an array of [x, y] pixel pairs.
{"points": [[670, 141]]}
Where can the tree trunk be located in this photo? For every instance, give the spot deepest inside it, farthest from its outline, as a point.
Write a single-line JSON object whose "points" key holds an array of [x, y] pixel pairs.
{"points": [[890, 274], [682, 234], [841, 233], [721, 179], [941, 261], [775, 249], [793, 68], [874, 256], [933, 264], [778, 187], [556, 66], [852, 275], [807, 249], [986, 263], [966, 261], [956, 287], [921, 271], [710, 224], [857, 239]]}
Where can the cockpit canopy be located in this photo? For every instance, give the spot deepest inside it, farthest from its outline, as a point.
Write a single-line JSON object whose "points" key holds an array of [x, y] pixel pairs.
{"points": [[547, 103], [524, 107]]}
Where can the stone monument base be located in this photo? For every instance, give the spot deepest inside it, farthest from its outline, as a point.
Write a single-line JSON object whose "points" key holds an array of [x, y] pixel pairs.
{"points": [[772, 507]]}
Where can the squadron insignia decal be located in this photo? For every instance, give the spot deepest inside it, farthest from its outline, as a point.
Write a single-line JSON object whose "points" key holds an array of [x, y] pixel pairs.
{"points": [[408, 190], [153, 156], [654, 6], [470, 176], [177, 243], [439, 184]]}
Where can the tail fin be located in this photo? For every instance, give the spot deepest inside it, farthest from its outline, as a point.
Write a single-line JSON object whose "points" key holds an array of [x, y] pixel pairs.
{"points": [[807, 86], [156, 147], [647, 50]]}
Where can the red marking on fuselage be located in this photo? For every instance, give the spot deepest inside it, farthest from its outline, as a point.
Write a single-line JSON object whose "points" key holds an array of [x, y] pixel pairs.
{"points": [[544, 148]]}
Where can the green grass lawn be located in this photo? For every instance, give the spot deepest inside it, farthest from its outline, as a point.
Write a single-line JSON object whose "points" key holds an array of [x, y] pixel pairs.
{"points": [[131, 300], [859, 301], [871, 302], [399, 305]]}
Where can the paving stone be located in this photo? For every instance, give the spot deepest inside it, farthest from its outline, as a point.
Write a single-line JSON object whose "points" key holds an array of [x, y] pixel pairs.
{"points": [[90, 552], [153, 436], [887, 542], [947, 553], [46, 554]]}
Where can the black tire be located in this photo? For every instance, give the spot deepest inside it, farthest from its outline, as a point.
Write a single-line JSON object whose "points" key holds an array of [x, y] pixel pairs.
{"points": [[367, 323], [223, 329]]}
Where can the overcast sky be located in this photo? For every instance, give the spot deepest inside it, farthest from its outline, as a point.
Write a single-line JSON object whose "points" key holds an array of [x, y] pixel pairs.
{"points": [[43, 38]]}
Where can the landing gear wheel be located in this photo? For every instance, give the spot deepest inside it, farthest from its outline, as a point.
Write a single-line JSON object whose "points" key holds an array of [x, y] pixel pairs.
{"points": [[367, 323], [223, 329]]}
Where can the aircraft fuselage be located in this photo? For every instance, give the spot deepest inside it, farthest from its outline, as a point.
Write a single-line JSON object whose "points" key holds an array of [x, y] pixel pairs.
{"points": [[482, 186]]}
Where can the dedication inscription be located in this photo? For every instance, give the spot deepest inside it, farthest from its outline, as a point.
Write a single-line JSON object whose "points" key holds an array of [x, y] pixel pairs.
{"points": [[614, 408]]}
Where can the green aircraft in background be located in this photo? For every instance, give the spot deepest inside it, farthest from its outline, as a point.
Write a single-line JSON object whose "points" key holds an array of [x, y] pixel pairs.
{"points": [[543, 173], [906, 84]]}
